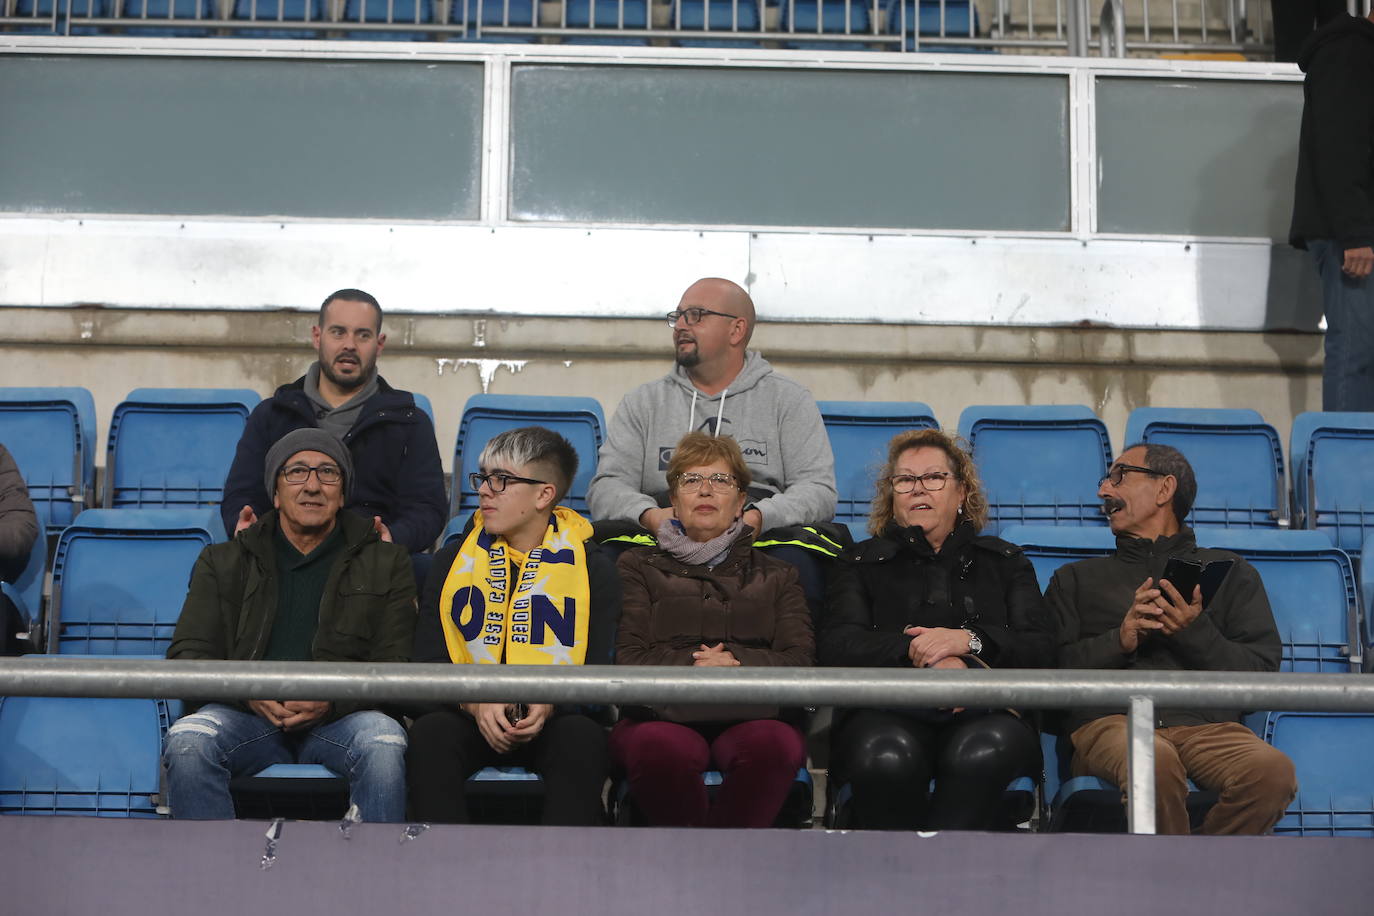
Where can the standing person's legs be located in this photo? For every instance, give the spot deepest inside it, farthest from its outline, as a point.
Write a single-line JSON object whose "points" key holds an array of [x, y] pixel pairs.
{"points": [[1348, 373], [887, 760], [663, 762], [207, 748], [980, 756], [446, 748], [571, 756], [1255, 782], [1100, 750], [758, 761], [368, 747]]}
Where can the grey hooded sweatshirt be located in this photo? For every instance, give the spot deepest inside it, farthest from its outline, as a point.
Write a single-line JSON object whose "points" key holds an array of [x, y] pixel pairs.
{"points": [[774, 420]]}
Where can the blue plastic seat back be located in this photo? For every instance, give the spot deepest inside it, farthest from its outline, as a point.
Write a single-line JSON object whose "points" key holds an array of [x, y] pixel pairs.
{"points": [[1049, 547], [1311, 589], [172, 447], [1039, 465], [260, 11], [1332, 753], [40, 17], [27, 591], [171, 18], [859, 432], [833, 17], [1235, 455], [930, 16], [51, 434], [579, 420], [1333, 475], [120, 579], [94, 757], [717, 15], [1367, 591], [394, 11], [607, 14]]}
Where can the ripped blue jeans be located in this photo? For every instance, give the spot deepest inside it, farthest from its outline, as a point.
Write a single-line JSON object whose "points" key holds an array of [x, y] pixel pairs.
{"points": [[216, 743]]}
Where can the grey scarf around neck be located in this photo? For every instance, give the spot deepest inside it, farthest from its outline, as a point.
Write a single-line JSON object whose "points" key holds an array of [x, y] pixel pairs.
{"points": [[673, 539], [337, 420]]}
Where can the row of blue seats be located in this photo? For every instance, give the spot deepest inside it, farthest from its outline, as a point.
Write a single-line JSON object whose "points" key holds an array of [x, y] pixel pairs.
{"points": [[283, 18], [1039, 464], [100, 757]]}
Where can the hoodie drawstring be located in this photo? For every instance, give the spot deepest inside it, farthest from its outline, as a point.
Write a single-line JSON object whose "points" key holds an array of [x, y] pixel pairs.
{"points": [[721, 413]]}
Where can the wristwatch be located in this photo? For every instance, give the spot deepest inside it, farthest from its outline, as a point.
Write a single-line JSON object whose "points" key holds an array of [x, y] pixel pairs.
{"points": [[975, 642]]}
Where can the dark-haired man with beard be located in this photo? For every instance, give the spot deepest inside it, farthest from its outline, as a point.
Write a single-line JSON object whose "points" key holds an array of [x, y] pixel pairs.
{"points": [[399, 479], [1118, 612]]}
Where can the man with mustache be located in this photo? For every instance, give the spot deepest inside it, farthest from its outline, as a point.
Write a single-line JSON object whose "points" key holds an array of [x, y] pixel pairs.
{"points": [[400, 481], [719, 386], [1117, 612]]}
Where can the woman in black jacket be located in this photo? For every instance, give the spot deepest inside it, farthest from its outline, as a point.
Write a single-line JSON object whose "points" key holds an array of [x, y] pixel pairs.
{"points": [[929, 591]]}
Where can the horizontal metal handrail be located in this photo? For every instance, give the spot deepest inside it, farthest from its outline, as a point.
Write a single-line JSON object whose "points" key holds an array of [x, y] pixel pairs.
{"points": [[1028, 689]]}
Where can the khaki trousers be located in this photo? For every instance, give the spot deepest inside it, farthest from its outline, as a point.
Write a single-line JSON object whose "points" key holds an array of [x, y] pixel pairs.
{"points": [[1254, 782]]}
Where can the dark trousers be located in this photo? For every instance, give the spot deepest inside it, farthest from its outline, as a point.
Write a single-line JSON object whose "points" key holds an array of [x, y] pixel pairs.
{"points": [[889, 759], [663, 761], [446, 748]]}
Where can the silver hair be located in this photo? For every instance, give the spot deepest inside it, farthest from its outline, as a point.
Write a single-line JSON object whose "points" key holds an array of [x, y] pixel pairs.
{"points": [[529, 445]]}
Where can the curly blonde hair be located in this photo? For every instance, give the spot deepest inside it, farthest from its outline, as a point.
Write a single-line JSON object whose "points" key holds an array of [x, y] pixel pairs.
{"points": [[960, 462]]}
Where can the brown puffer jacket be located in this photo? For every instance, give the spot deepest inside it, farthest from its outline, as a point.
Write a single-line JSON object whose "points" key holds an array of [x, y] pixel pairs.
{"points": [[749, 601], [18, 522]]}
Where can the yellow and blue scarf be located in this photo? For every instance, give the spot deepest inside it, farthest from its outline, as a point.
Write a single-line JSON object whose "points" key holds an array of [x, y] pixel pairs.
{"points": [[542, 620]]}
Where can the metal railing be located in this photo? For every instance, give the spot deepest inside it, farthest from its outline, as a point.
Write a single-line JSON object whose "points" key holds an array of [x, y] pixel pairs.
{"points": [[1077, 27], [1136, 692]]}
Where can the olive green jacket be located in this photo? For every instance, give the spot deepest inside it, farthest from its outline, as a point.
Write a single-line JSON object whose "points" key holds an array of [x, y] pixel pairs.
{"points": [[367, 611]]}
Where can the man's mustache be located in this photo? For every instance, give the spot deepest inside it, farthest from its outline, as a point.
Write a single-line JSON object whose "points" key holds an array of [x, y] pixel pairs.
{"points": [[1112, 504]]}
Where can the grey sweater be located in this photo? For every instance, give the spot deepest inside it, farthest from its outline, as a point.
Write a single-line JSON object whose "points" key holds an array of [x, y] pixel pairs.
{"points": [[774, 420]]}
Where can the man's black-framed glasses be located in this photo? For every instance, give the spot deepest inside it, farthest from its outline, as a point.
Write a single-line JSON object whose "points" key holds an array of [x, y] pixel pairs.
{"points": [[693, 315], [498, 480], [1119, 471], [932, 482], [328, 474]]}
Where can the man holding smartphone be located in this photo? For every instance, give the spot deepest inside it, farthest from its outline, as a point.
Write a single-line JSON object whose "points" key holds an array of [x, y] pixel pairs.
{"points": [[1122, 612]]}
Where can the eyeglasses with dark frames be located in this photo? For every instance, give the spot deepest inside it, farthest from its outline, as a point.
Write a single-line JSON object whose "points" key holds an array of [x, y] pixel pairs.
{"points": [[932, 482], [498, 481], [693, 315], [693, 483], [1119, 471], [328, 474]]}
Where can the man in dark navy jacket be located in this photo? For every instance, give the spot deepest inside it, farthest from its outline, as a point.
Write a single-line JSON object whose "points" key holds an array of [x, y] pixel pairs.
{"points": [[399, 480], [1333, 201]]}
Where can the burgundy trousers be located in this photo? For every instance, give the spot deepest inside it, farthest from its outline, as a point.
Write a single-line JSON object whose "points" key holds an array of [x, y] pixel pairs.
{"points": [[663, 762]]}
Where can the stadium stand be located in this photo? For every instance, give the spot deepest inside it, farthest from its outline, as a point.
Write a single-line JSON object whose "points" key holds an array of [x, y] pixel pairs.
{"points": [[261, 12], [930, 18], [51, 434], [76, 756], [389, 11], [167, 18], [1236, 456], [859, 432], [1039, 464], [1049, 547], [172, 447], [624, 16], [720, 17], [119, 579], [826, 17], [1332, 752], [1333, 475]]}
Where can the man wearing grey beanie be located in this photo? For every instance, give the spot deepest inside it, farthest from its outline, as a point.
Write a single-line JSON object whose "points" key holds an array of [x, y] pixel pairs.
{"points": [[305, 582]]}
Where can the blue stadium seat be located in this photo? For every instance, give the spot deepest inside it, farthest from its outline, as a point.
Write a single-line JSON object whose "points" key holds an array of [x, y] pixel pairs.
{"points": [[1049, 547], [579, 420], [119, 579], [859, 432], [172, 447], [75, 756], [168, 18], [1332, 752], [294, 11], [37, 16], [826, 17], [299, 791], [394, 11], [1039, 464], [720, 17], [909, 18], [422, 402], [51, 434], [27, 591], [479, 14], [1311, 588], [1333, 475], [1367, 594], [1236, 456], [626, 15]]}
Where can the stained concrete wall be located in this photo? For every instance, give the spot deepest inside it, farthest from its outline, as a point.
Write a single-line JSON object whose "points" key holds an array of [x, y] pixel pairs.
{"points": [[449, 358]]}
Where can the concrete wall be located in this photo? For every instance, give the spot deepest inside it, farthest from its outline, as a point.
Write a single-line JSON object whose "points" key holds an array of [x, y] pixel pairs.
{"points": [[451, 357]]}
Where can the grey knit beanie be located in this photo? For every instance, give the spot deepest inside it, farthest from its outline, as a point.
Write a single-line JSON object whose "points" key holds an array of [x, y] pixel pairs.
{"points": [[309, 439]]}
